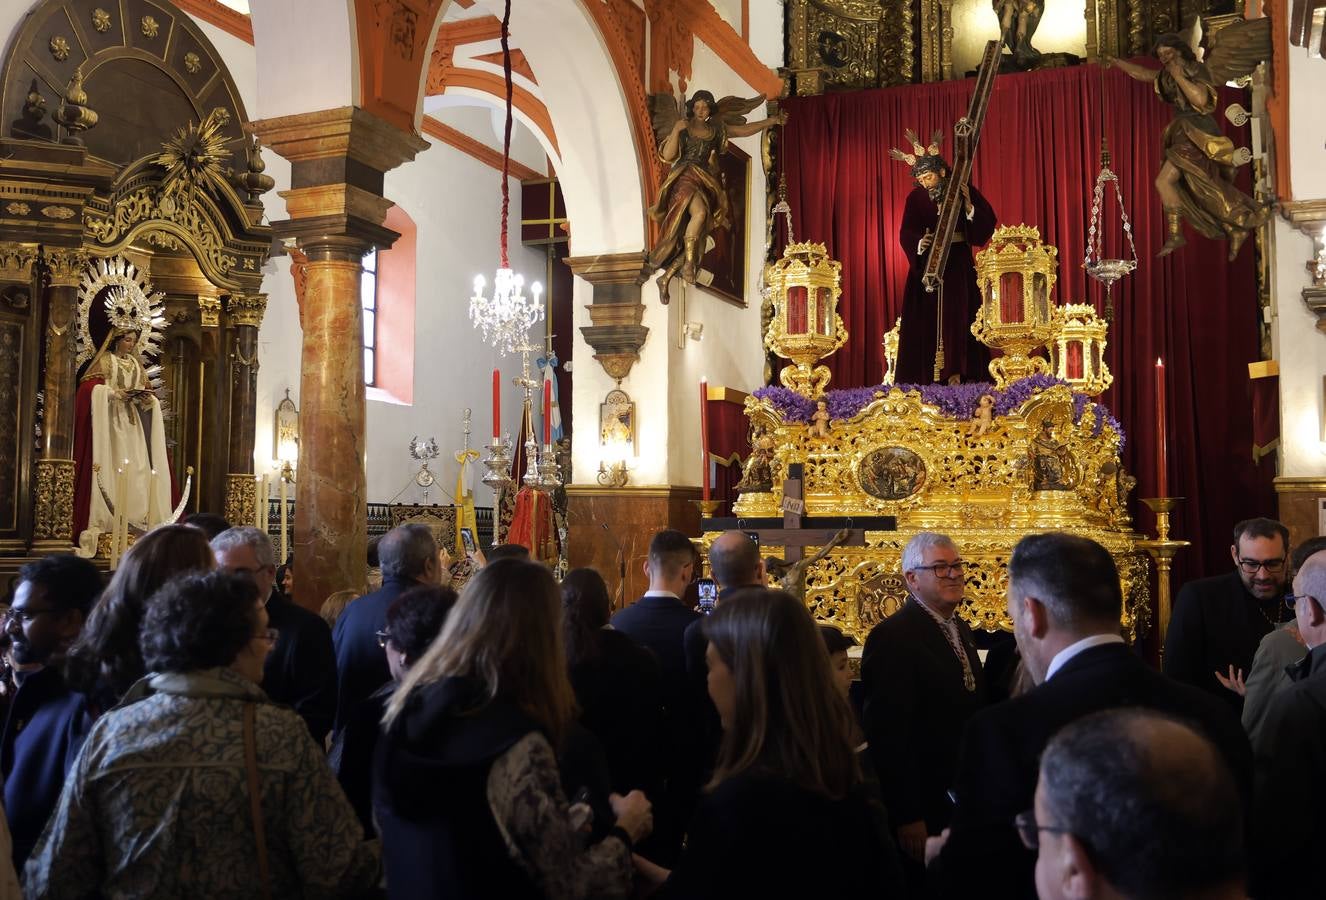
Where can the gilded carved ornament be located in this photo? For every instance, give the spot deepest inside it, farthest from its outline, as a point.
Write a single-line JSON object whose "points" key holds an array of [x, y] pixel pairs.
{"points": [[59, 47], [246, 309], [65, 266], [209, 311], [53, 516], [149, 27], [16, 261], [101, 20], [1309, 217]]}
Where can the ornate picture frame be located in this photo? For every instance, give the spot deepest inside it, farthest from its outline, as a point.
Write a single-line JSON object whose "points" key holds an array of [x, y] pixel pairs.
{"points": [[723, 266]]}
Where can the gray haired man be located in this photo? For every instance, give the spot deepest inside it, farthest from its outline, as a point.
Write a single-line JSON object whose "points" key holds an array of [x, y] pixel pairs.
{"points": [[922, 680]]}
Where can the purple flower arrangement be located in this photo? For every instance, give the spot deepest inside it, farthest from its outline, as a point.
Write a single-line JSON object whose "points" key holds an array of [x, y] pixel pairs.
{"points": [[957, 401]]}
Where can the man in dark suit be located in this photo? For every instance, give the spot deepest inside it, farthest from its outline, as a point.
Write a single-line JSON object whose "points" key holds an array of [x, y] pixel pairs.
{"points": [[1065, 601], [301, 669], [734, 563], [408, 556], [1291, 758], [922, 681], [1132, 804], [659, 620], [1218, 622], [47, 721]]}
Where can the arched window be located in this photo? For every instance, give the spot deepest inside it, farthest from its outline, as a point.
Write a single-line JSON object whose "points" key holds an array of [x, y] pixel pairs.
{"points": [[368, 298], [388, 283]]}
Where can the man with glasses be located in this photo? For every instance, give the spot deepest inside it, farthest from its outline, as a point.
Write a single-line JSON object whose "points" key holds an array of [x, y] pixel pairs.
{"points": [[301, 669], [922, 681], [1065, 599], [1291, 757], [1218, 622], [47, 721], [1134, 804]]}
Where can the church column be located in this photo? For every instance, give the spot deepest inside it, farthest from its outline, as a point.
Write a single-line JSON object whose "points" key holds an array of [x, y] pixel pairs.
{"points": [[52, 527], [245, 312], [338, 158]]}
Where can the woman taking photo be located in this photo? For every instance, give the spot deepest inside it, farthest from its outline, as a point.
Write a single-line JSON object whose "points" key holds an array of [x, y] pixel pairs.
{"points": [[466, 790], [786, 783], [198, 785]]}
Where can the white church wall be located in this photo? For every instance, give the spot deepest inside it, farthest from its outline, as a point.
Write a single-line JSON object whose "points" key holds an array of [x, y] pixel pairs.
{"points": [[766, 31], [1298, 345], [295, 82]]}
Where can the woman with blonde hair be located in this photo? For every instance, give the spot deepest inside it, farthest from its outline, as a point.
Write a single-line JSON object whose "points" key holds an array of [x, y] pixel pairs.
{"points": [[466, 787], [106, 659], [786, 780]]}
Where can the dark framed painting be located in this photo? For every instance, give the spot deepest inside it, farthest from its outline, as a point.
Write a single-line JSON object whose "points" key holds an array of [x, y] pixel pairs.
{"points": [[723, 266]]}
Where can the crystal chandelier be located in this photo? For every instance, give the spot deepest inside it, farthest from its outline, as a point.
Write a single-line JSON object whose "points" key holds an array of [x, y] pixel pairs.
{"points": [[504, 318]]}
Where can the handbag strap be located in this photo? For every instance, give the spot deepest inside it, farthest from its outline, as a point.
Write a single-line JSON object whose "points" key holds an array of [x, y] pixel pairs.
{"points": [[255, 801]]}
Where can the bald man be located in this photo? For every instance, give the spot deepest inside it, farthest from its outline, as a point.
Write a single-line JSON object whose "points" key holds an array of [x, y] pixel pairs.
{"points": [[1290, 755], [1131, 803]]}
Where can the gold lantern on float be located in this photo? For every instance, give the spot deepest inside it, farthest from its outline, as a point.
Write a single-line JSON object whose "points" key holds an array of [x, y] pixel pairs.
{"points": [[1016, 276], [805, 285], [1077, 352]]}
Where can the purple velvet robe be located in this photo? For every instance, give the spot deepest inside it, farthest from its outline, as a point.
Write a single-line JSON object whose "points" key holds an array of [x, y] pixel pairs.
{"points": [[963, 354]]}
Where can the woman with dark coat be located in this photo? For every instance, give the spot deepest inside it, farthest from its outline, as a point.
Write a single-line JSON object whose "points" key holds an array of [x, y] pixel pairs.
{"points": [[618, 684], [466, 788], [787, 783]]}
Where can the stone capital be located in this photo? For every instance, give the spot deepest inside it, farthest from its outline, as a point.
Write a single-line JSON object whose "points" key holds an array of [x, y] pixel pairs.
{"points": [[616, 332], [65, 265], [209, 310], [246, 309], [330, 134]]}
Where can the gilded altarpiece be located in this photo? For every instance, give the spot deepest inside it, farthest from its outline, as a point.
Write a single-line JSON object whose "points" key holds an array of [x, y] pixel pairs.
{"points": [[122, 137], [854, 44]]}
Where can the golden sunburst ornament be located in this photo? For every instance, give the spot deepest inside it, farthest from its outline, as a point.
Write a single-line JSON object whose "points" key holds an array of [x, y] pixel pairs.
{"points": [[195, 155]]}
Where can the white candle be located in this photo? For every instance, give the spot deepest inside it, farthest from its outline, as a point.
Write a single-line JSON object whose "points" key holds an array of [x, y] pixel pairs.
{"points": [[148, 520], [119, 537], [257, 501], [263, 504]]}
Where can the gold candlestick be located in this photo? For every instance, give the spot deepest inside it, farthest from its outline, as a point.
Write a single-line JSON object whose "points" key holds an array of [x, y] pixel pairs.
{"points": [[708, 507], [1163, 551]]}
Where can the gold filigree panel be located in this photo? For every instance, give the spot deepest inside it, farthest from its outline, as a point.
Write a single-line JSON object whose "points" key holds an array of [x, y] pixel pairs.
{"points": [[853, 43], [54, 513]]}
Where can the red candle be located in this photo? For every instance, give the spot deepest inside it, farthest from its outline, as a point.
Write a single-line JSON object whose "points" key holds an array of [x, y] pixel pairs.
{"points": [[547, 413], [1162, 455], [704, 437], [497, 405]]}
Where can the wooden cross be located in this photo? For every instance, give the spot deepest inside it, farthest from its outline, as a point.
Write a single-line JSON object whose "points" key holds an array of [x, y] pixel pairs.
{"points": [[796, 531]]}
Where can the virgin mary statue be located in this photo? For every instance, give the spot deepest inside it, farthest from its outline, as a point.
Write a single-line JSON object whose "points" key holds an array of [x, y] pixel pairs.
{"points": [[118, 427]]}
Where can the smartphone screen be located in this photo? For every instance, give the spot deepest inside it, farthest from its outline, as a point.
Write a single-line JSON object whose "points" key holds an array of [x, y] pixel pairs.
{"points": [[467, 540], [708, 594]]}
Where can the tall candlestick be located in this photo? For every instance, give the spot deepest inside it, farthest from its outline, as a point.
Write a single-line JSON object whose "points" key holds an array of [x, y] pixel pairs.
{"points": [[547, 413], [1162, 452], [497, 404], [285, 551], [257, 501], [704, 437], [117, 521], [263, 504]]}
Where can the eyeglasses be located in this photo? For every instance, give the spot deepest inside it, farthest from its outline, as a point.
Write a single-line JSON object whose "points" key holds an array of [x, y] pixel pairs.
{"points": [[943, 569], [1272, 566], [382, 636], [1029, 830], [23, 615], [1291, 600]]}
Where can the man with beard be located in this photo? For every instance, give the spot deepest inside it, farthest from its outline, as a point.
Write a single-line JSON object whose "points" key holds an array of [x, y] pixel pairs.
{"points": [[47, 721], [965, 358], [1218, 622]]}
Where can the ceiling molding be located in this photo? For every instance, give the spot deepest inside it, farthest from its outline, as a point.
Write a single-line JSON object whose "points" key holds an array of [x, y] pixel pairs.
{"points": [[228, 20], [482, 152]]}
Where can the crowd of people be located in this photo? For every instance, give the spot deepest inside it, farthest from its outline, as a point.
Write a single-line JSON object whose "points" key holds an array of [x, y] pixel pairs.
{"points": [[474, 729]]}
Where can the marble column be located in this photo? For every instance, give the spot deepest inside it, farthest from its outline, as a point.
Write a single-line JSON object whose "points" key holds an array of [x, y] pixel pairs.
{"points": [[52, 527], [338, 158]]}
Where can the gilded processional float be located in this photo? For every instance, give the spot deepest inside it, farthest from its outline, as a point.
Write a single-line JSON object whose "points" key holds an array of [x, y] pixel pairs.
{"points": [[985, 463]]}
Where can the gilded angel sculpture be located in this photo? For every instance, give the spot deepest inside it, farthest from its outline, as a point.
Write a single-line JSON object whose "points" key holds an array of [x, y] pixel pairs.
{"points": [[692, 202], [1196, 181]]}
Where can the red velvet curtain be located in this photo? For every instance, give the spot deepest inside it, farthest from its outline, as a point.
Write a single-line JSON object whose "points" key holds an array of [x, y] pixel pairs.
{"points": [[1036, 163]]}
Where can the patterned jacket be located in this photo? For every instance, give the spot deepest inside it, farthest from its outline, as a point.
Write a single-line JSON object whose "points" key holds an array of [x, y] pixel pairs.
{"points": [[157, 803]]}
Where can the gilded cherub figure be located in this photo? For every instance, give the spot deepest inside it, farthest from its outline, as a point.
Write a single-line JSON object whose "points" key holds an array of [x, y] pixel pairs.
{"points": [[693, 202], [1052, 466], [758, 477], [819, 420], [983, 419]]}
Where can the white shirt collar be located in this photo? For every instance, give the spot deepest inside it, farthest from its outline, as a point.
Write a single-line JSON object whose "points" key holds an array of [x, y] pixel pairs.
{"points": [[1064, 655], [662, 594]]}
